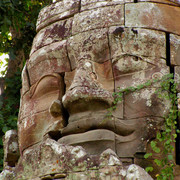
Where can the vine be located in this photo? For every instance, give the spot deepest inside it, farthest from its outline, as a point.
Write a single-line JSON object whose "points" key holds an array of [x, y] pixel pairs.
{"points": [[167, 136]]}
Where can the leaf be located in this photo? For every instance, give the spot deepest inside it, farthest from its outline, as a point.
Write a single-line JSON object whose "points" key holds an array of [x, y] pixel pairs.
{"points": [[153, 144], [149, 169], [178, 131], [4, 129], [147, 155], [158, 162], [170, 157], [158, 136]]}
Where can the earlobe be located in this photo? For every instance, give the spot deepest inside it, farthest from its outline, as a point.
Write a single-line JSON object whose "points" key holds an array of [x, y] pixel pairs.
{"points": [[56, 108]]}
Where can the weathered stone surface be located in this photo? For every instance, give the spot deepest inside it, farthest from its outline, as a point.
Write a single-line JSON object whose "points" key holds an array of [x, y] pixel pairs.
{"points": [[91, 45], [87, 87], [55, 32], [169, 2], [136, 42], [8, 174], [49, 59], [175, 1], [36, 118], [175, 49], [52, 160], [178, 95], [98, 18], [100, 73], [131, 71], [135, 172], [177, 77], [119, 111], [48, 88], [25, 80], [85, 121], [56, 12], [32, 129], [88, 140], [80, 56], [145, 103], [142, 129], [91, 81], [91, 4], [11, 149], [153, 16]]}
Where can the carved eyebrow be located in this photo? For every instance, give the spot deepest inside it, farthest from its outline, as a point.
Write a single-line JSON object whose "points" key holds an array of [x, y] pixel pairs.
{"points": [[34, 87]]}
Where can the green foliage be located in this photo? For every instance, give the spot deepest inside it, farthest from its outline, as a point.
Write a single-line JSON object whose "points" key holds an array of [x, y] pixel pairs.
{"points": [[17, 30], [167, 136], [20, 17], [149, 169], [9, 107]]}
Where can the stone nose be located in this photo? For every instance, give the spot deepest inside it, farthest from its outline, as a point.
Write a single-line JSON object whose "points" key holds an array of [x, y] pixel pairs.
{"points": [[86, 88]]}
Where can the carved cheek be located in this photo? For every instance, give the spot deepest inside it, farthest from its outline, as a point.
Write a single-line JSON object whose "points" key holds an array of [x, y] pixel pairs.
{"points": [[46, 91], [36, 120]]}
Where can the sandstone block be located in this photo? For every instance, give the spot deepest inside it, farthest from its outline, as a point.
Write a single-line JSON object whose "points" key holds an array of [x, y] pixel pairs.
{"points": [[84, 122], [48, 89], [109, 158], [53, 58], [130, 71], [153, 16], [25, 81], [128, 145], [175, 49], [33, 128], [169, 2], [88, 85], [98, 18], [57, 11], [136, 141], [53, 160], [91, 45], [91, 4], [177, 77], [119, 111], [11, 148], [100, 73], [7, 174], [55, 32], [145, 103], [136, 41], [88, 141], [136, 172]]}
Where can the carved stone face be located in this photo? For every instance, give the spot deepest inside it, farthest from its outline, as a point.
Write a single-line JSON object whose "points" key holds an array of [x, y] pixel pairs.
{"points": [[80, 56]]}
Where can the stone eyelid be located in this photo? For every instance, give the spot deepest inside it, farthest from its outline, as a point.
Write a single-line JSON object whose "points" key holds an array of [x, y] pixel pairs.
{"points": [[34, 87]]}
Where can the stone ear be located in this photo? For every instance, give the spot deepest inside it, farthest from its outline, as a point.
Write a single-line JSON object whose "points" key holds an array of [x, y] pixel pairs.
{"points": [[56, 108]]}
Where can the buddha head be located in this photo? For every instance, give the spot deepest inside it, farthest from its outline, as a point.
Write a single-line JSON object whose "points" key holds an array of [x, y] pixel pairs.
{"points": [[83, 52]]}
